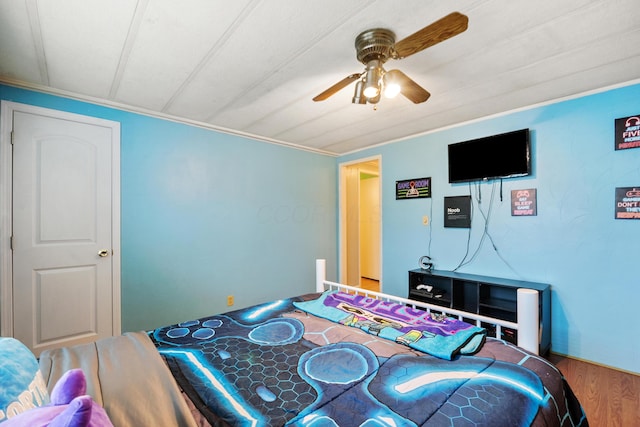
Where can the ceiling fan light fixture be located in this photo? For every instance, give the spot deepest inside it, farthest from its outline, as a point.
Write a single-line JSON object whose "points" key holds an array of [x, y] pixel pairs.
{"points": [[371, 91], [391, 91], [374, 101], [372, 79], [358, 97], [391, 86]]}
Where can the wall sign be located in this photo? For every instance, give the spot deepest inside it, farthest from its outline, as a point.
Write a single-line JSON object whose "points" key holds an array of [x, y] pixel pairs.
{"points": [[523, 202], [627, 132], [457, 211], [413, 188], [628, 202]]}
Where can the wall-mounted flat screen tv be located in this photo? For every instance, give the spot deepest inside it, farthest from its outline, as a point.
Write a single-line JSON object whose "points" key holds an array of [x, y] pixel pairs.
{"points": [[505, 155]]}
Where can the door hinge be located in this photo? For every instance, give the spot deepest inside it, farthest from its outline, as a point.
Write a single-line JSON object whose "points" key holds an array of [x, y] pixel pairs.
{"points": [[11, 242], [11, 137]]}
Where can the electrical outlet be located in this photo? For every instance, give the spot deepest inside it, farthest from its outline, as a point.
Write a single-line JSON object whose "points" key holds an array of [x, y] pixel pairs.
{"points": [[230, 300], [425, 220]]}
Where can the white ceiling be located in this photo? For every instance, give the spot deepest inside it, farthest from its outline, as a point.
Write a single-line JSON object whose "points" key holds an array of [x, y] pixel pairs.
{"points": [[252, 66]]}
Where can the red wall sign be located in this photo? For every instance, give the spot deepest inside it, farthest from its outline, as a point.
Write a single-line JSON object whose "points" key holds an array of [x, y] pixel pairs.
{"points": [[523, 202], [628, 132]]}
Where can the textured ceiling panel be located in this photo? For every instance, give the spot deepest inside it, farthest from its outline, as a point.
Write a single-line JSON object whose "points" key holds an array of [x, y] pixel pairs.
{"points": [[253, 66], [170, 46], [18, 50], [83, 42]]}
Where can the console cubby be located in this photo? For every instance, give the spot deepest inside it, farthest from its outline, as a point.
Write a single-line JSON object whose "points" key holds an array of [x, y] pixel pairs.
{"points": [[438, 290], [490, 296]]}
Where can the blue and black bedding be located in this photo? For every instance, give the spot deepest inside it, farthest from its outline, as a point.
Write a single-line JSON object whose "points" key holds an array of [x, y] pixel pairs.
{"points": [[339, 360]]}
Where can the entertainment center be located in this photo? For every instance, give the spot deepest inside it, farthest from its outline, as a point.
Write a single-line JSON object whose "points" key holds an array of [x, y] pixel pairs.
{"points": [[491, 296]]}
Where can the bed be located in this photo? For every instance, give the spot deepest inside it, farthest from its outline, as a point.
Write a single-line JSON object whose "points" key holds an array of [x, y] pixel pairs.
{"points": [[338, 357]]}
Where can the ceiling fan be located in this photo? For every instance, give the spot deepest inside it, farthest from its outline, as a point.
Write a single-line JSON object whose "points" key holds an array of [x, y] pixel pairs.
{"points": [[374, 47]]}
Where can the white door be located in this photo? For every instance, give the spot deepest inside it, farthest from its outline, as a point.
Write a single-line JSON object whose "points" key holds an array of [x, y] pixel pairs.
{"points": [[63, 230]]}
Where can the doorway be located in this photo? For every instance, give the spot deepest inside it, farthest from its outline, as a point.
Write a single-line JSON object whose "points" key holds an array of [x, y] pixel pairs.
{"points": [[360, 223], [60, 246]]}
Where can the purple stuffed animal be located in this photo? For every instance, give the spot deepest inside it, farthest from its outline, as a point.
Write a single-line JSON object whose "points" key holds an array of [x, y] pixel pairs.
{"points": [[70, 406]]}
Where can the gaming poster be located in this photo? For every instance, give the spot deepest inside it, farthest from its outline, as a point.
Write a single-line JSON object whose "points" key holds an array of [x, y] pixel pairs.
{"points": [[413, 188], [627, 132], [523, 202], [628, 202]]}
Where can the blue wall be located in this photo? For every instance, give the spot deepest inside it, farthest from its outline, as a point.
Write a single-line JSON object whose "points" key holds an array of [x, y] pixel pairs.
{"points": [[574, 243], [206, 214]]}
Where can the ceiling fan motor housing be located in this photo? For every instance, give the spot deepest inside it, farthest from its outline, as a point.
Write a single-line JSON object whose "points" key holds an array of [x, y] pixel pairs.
{"points": [[375, 44]]}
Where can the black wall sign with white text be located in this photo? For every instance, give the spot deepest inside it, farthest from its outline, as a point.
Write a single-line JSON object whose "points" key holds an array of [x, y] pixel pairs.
{"points": [[457, 211]]}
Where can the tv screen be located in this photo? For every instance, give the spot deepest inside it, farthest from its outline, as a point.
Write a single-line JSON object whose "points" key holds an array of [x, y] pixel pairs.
{"points": [[498, 156]]}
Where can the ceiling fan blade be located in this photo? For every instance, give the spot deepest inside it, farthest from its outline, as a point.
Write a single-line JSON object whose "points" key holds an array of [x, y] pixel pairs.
{"points": [[336, 87], [410, 89], [441, 30]]}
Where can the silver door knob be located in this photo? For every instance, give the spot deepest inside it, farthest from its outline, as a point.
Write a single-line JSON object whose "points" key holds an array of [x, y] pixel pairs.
{"points": [[103, 253]]}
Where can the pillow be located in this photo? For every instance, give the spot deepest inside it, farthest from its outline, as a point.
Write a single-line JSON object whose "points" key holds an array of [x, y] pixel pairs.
{"points": [[23, 387], [69, 407]]}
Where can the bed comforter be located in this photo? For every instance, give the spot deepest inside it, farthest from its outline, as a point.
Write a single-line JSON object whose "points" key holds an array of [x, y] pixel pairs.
{"points": [[276, 364]]}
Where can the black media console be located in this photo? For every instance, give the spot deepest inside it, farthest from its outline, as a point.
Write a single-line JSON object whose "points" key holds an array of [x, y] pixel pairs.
{"points": [[489, 296]]}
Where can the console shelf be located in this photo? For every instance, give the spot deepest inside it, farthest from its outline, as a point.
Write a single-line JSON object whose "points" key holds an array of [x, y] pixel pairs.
{"points": [[490, 296]]}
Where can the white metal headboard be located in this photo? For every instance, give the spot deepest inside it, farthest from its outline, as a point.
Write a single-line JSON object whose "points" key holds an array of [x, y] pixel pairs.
{"points": [[527, 323]]}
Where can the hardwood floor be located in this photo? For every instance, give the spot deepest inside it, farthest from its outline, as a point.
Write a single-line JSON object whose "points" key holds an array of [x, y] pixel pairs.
{"points": [[370, 284], [610, 398]]}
